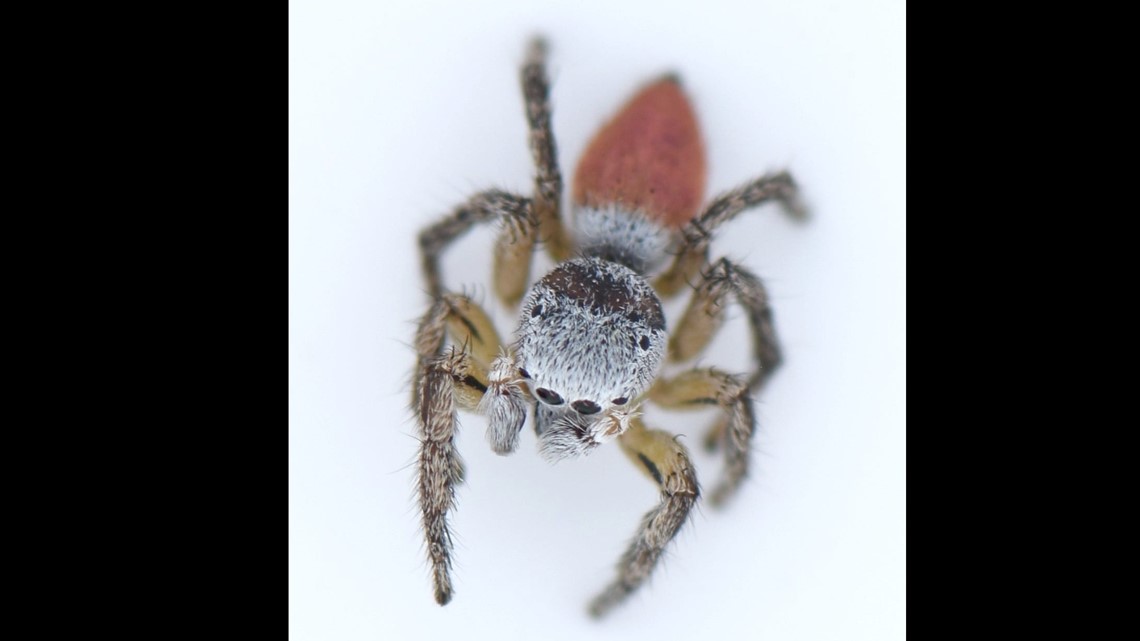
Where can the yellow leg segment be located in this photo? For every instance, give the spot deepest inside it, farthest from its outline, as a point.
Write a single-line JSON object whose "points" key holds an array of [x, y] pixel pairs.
{"points": [[514, 249], [665, 461], [701, 387], [449, 379]]}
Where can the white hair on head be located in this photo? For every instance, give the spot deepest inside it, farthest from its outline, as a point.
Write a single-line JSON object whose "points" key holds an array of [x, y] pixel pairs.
{"points": [[591, 341]]}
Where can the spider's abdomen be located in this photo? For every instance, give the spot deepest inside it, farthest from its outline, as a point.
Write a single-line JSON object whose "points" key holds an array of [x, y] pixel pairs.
{"points": [[649, 159]]}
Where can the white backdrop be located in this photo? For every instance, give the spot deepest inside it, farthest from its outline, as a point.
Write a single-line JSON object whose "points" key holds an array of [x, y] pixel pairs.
{"points": [[400, 110]]}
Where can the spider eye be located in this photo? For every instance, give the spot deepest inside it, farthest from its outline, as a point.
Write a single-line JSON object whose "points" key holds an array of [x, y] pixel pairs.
{"points": [[586, 407], [620, 401], [548, 397], [524, 373]]}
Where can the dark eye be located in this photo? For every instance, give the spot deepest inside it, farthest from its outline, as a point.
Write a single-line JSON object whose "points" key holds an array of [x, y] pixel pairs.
{"points": [[524, 373], [548, 397], [620, 401], [585, 407]]}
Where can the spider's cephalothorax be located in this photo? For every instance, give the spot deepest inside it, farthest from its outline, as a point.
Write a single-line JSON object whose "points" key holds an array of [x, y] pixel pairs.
{"points": [[592, 335], [591, 340]]}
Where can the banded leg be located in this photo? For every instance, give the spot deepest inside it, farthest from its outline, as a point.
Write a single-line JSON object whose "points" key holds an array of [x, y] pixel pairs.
{"points": [[464, 376], [700, 387], [548, 177], [665, 461], [705, 315], [513, 248], [440, 468], [706, 312], [457, 317], [696, 235]]}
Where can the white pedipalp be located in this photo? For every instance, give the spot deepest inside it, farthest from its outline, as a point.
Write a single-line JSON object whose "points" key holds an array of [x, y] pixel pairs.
{"points": [[504, 404]]}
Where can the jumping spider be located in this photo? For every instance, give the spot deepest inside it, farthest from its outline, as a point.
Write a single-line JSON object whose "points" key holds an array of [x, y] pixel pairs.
{"points": [[591, 336]]}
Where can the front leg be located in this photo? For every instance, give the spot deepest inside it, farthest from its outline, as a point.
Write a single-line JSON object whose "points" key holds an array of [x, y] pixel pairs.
{"points": [[440, 468], [457, 317], [467, 376], [665, 461]]}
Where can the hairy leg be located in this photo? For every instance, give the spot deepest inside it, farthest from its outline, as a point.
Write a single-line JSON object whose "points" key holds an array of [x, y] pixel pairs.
{"points": [[466, 376], [665, 461], [457, 317], [701, 387], [513, 249], [548, 177], [439, 466], [706, 312], [697, 234]]}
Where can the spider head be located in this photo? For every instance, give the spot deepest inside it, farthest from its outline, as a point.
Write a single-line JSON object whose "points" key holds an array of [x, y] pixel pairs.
{"points": [[590, 342]]}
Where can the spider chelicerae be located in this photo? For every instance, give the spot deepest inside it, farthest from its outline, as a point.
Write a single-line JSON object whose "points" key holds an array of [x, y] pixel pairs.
{"points": [[591, 339]]}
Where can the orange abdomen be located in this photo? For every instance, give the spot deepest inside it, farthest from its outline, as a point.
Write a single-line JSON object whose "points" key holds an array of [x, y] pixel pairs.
{"points": [[649, 158]]}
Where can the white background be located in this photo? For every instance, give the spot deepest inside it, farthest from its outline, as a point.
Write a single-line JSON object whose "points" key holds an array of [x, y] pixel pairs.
{"points": [[400, 110]]}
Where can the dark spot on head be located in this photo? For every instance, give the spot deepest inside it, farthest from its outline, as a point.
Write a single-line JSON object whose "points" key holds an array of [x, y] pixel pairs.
{"points": [[601, 289], [524, 373], [536, 311], [620, 401], [548, 397], [586, 407], [644, 343]]}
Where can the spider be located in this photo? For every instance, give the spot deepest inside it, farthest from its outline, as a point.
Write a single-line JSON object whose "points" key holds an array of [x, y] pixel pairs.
{"points": [[591, 338]]}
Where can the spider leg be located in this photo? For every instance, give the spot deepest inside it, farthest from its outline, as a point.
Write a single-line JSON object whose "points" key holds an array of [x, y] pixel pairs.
{"points": [[665, 461], [467, 324], [700, 387], [440, 468], [697, 234], [513, 248], [521, 218], [705, 316], [548, 177], [466, 376]]}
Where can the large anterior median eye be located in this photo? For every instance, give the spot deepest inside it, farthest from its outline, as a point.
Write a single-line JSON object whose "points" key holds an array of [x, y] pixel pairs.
{"points": [[548, 397], [586, 407]]}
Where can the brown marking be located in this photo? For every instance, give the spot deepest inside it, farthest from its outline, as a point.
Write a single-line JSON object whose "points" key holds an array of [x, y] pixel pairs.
{"points": [[651, 467], [590, 285], [649, 158]]}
